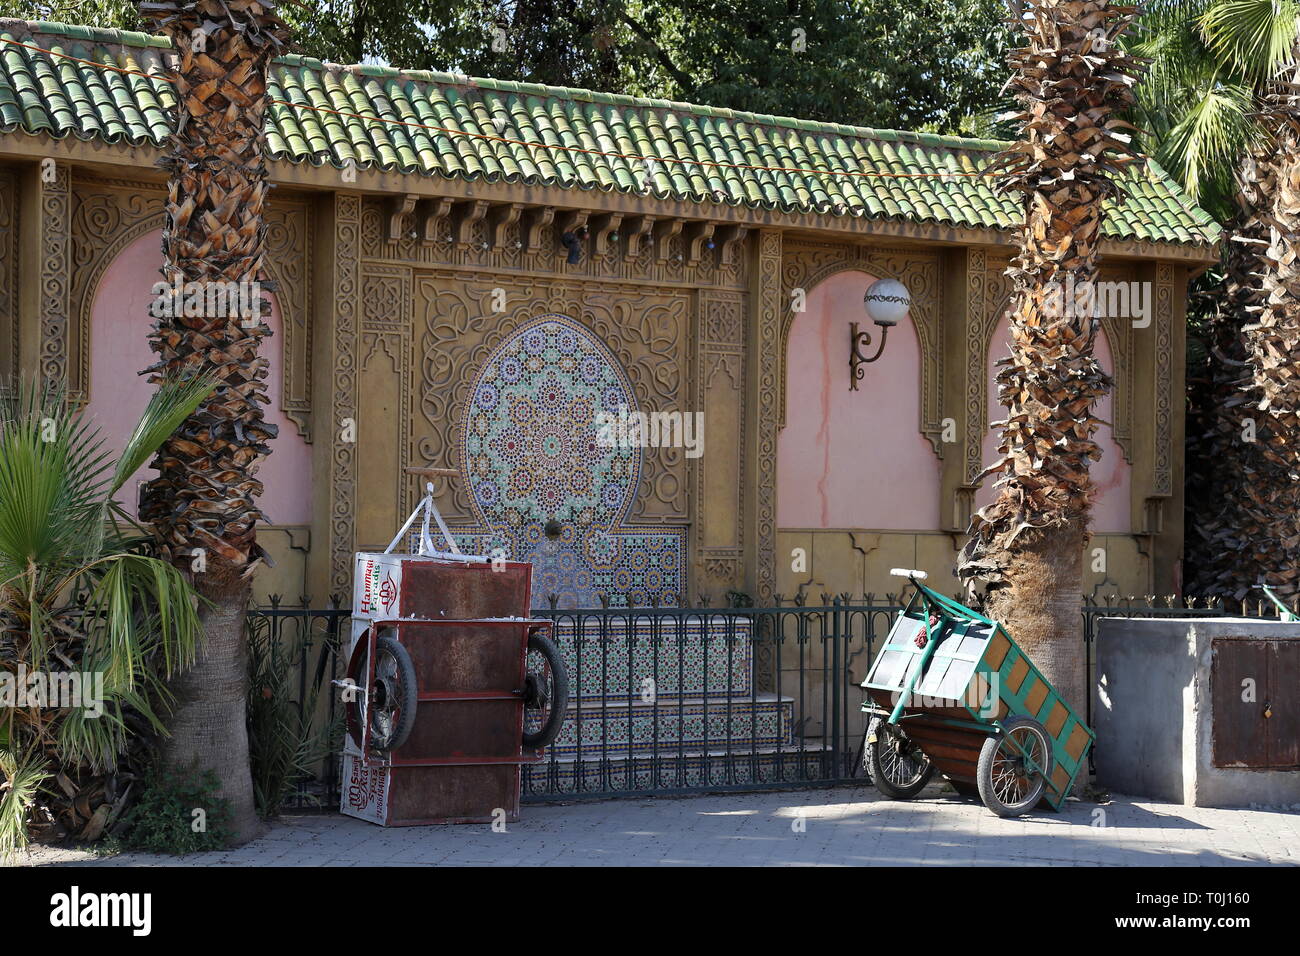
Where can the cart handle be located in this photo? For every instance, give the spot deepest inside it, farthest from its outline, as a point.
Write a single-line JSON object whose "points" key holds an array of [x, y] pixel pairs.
{"points": [[1285, 613], [909, 573]]}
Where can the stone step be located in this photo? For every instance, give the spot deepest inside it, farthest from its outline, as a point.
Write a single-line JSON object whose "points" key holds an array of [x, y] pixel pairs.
{"points": [[605, 727], [809, 762]]}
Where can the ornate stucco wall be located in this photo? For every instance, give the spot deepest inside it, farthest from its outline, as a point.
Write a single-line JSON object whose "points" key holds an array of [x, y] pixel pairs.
{"points": [[390, 304]]}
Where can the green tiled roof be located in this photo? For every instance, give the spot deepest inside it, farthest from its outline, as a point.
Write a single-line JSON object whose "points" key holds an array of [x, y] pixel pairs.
{"points": [[499, 130]]}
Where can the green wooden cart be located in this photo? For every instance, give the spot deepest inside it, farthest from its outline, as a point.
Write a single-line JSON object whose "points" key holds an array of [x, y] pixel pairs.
{"points": [[951, 691]]}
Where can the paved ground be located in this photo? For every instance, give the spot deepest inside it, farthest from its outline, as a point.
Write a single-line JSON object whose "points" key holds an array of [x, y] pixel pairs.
{"points": [[846, 826]]}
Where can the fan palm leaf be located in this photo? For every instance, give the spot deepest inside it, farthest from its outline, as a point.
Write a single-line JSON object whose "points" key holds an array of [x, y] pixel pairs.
{"points": [[77, 596]]}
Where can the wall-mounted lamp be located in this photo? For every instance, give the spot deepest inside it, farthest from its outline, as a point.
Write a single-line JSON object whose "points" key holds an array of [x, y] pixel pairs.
{"points": [[887, 302]]}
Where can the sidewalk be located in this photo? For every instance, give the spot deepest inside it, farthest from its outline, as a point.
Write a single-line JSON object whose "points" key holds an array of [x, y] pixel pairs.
{"points": [[838, 827]]}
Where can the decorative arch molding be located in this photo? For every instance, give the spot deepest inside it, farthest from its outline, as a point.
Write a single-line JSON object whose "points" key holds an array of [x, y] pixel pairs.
{"points": [[807, 265], [1118, 336], [109, 215]]}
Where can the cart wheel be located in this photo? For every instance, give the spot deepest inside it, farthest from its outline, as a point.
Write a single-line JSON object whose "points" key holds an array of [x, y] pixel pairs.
{"points": [[894, 762], [546, 692], [390, 700], [1007, 786]]}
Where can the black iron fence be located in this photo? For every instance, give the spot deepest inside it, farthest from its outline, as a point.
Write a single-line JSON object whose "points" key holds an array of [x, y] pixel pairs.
{"points": [[672, 700]]}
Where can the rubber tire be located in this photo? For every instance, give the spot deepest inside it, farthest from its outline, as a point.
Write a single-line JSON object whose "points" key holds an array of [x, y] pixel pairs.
{"points": [[559, 693], [871, 762], [984, 773], [407, 687]]}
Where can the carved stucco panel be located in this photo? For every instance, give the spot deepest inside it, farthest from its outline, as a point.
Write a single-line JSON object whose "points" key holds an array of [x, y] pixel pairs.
{"points": [[719, 483], [1118, 334], [110, 214], [768, 306], [290, 226], [1165, 295], [343, 457], [56, 275], [107, 217], [8, 275]]}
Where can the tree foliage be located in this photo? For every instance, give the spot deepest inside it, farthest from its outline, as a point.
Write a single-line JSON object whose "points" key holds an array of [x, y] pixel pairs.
{"points": [[1198, 105], [899, 64]]}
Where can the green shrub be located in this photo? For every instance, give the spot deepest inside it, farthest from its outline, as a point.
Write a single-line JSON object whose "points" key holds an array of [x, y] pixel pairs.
{"points": [[166, 819], [284, 746]]}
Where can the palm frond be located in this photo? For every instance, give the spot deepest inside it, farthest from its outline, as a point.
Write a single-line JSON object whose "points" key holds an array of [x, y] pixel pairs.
{"points": [[119, 587], [172, 403], [1209, 138], [21, 777], [1255, 36], [53, 481]]}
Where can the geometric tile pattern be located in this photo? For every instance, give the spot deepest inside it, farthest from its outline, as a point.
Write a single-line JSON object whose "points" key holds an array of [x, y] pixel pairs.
{"points": [[669, 725], [722, 769], [619, 662]]}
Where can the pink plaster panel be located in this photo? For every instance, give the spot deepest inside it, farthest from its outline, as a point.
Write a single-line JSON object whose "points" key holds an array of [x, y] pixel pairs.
{"points": [[853, 459], [119, 324], [1112, 475]]}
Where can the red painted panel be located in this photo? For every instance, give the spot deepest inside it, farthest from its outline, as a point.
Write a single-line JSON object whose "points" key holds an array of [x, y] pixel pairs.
{"points": [[1239, 685]]}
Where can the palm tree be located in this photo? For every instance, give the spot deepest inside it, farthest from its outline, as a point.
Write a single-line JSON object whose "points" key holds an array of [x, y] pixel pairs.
{"points": [[78, 595], [1071, 80], [1202, 108], [203, 504], [1270, 324], [1197, 107]]}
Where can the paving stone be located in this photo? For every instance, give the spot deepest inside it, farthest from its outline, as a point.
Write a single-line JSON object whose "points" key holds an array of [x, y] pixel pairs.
{"points": [[846, 826]]}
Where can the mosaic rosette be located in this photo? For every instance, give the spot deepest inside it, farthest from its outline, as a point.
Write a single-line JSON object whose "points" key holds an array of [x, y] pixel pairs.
{"points": [[531, 452]]}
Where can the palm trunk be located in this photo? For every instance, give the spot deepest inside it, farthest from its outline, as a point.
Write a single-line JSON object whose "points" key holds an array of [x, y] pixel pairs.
{"points": [[208, 727], [1230, 544], [203, 503], [1027, 546], [1271, 185]]}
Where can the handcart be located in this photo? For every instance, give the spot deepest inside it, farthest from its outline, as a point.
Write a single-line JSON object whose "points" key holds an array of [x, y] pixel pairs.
{"points": [[951, 691], [451, 685]]}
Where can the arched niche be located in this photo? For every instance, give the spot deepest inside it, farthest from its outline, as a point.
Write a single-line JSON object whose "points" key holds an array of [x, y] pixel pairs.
{"points": [[1111, 476], [853, 459], [119, 350]]}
